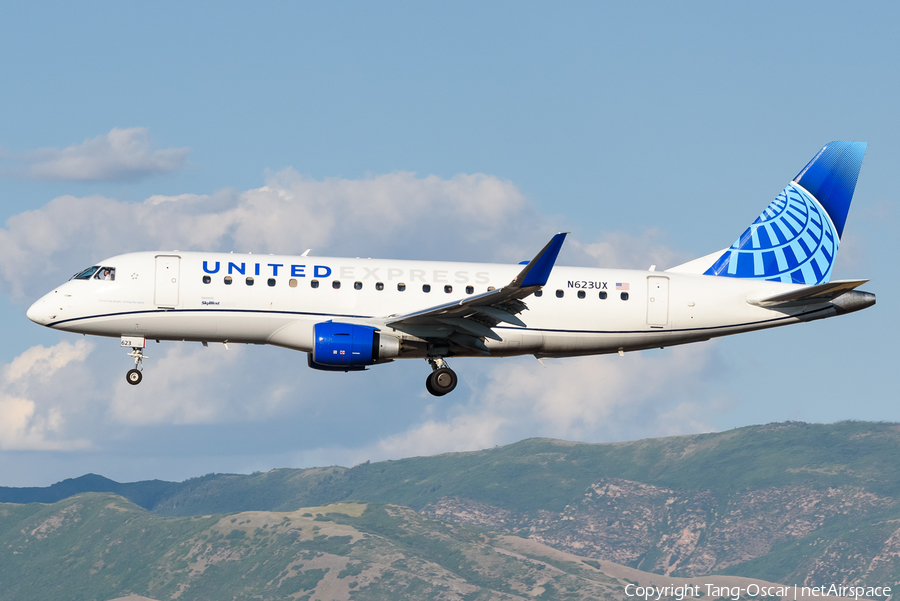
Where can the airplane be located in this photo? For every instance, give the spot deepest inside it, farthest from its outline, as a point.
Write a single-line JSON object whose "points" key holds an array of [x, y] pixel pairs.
{"points": [[350, 314]]}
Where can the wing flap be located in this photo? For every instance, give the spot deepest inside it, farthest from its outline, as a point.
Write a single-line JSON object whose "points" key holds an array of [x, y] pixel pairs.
{"points": [[471, 326], [470, 320], [820, 293]]}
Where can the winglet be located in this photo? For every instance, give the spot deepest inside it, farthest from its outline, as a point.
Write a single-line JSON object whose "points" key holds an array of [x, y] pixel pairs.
{"points": [[538, 270]]}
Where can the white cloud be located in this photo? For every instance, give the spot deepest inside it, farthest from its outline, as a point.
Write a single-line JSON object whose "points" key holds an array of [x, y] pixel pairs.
{"points": [[37, 389], [467, 217], [189, 384], [121, 155], [474, 217], [621, 250], [467, 432], [605, 398]]}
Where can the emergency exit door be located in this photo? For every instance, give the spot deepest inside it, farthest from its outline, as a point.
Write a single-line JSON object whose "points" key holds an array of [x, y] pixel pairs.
{"points": [[657, 301], [168, 269]]}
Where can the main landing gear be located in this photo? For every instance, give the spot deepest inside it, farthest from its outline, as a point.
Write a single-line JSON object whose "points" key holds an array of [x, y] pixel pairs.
{"points": [[134, 376], [442, 379]]}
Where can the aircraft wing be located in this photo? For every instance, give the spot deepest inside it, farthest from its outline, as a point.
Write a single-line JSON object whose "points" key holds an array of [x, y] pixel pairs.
{"points": [[820, 293], [468, 321]]}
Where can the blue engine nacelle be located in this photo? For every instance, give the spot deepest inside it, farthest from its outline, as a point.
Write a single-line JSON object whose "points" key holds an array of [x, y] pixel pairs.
{"points": [[350, 347]]}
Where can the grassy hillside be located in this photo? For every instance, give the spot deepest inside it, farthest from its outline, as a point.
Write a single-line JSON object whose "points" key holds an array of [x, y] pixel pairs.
{"points": [[540, 474], [98, 546], [787, 502]]}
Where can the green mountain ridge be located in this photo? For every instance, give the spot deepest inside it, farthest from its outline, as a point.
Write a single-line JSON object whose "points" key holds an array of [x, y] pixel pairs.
{"points": [[786, 502], [752, 457], [99, 546]]}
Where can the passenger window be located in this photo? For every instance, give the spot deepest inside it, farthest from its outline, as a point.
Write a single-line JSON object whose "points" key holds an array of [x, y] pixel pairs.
{"points": [[401, 287], [448, 289], [335, 284], [426, 287], [270, 282], [559, 293], [357, 285], [539, 293], [106, 273], [470, 289], [624, 296], [491, 288], [581, 294], [292, 283], [603, 295], [228, 280], [249, 281], [314, 284], [86, 274], [207, 279], [379, 286]]}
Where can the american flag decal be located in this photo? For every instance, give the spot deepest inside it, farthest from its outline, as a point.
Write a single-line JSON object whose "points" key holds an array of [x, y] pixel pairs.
{"points": [[621, 286]]}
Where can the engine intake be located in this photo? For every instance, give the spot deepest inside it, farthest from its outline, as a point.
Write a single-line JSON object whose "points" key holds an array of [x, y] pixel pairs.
{"points": [[350, 347]]}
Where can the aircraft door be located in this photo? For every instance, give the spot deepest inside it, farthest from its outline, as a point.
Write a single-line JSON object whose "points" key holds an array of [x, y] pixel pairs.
{"points": [[168, 274], [657, 301]]}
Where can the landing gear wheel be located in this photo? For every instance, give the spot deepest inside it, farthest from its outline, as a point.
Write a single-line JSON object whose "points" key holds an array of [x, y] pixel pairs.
{"points": [[134, 377], [441, 381]]}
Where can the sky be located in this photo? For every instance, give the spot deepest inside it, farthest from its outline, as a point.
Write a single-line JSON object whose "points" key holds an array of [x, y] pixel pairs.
{"points": [[445, 131]]}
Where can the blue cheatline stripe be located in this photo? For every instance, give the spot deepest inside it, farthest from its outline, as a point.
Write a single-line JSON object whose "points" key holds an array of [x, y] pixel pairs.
{"points": [[650, 331], [101, 315], [499, 327]]}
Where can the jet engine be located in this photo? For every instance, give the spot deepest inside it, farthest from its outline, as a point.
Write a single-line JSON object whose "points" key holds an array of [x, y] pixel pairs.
{"points": [[350, 347]]}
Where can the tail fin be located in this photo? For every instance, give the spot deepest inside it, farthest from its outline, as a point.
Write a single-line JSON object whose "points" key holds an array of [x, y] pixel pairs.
{"points": [[797, 236]]}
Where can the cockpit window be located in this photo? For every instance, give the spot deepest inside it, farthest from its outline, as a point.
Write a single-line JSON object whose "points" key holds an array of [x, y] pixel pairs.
{"points": [[87, 273], [106, 273]]}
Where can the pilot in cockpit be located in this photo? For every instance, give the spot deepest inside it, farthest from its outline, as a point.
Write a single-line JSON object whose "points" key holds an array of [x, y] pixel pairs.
{"points": [[106, 273]]}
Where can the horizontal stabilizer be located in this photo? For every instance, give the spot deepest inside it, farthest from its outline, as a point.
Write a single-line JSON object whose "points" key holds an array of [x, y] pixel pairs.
{"points": [[821, 293]]}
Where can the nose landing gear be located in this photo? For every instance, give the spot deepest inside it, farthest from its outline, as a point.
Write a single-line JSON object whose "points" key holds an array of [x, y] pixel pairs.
{"points": [[442, 379], [134, 376]]}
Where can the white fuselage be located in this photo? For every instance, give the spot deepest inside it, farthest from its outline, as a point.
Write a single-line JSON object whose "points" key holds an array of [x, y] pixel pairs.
{"points": [[164, 296]]}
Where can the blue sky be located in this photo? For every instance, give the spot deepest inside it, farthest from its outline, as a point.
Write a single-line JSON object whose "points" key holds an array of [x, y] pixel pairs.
{"points": [[655, 133]]}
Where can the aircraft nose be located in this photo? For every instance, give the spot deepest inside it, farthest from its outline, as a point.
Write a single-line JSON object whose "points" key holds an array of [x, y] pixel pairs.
{"points": [[41, 312], [35, 312]]}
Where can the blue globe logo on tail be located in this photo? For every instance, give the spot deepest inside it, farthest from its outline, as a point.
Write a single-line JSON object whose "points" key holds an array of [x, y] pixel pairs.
{"points": [[792, 241], [796, 238]]}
